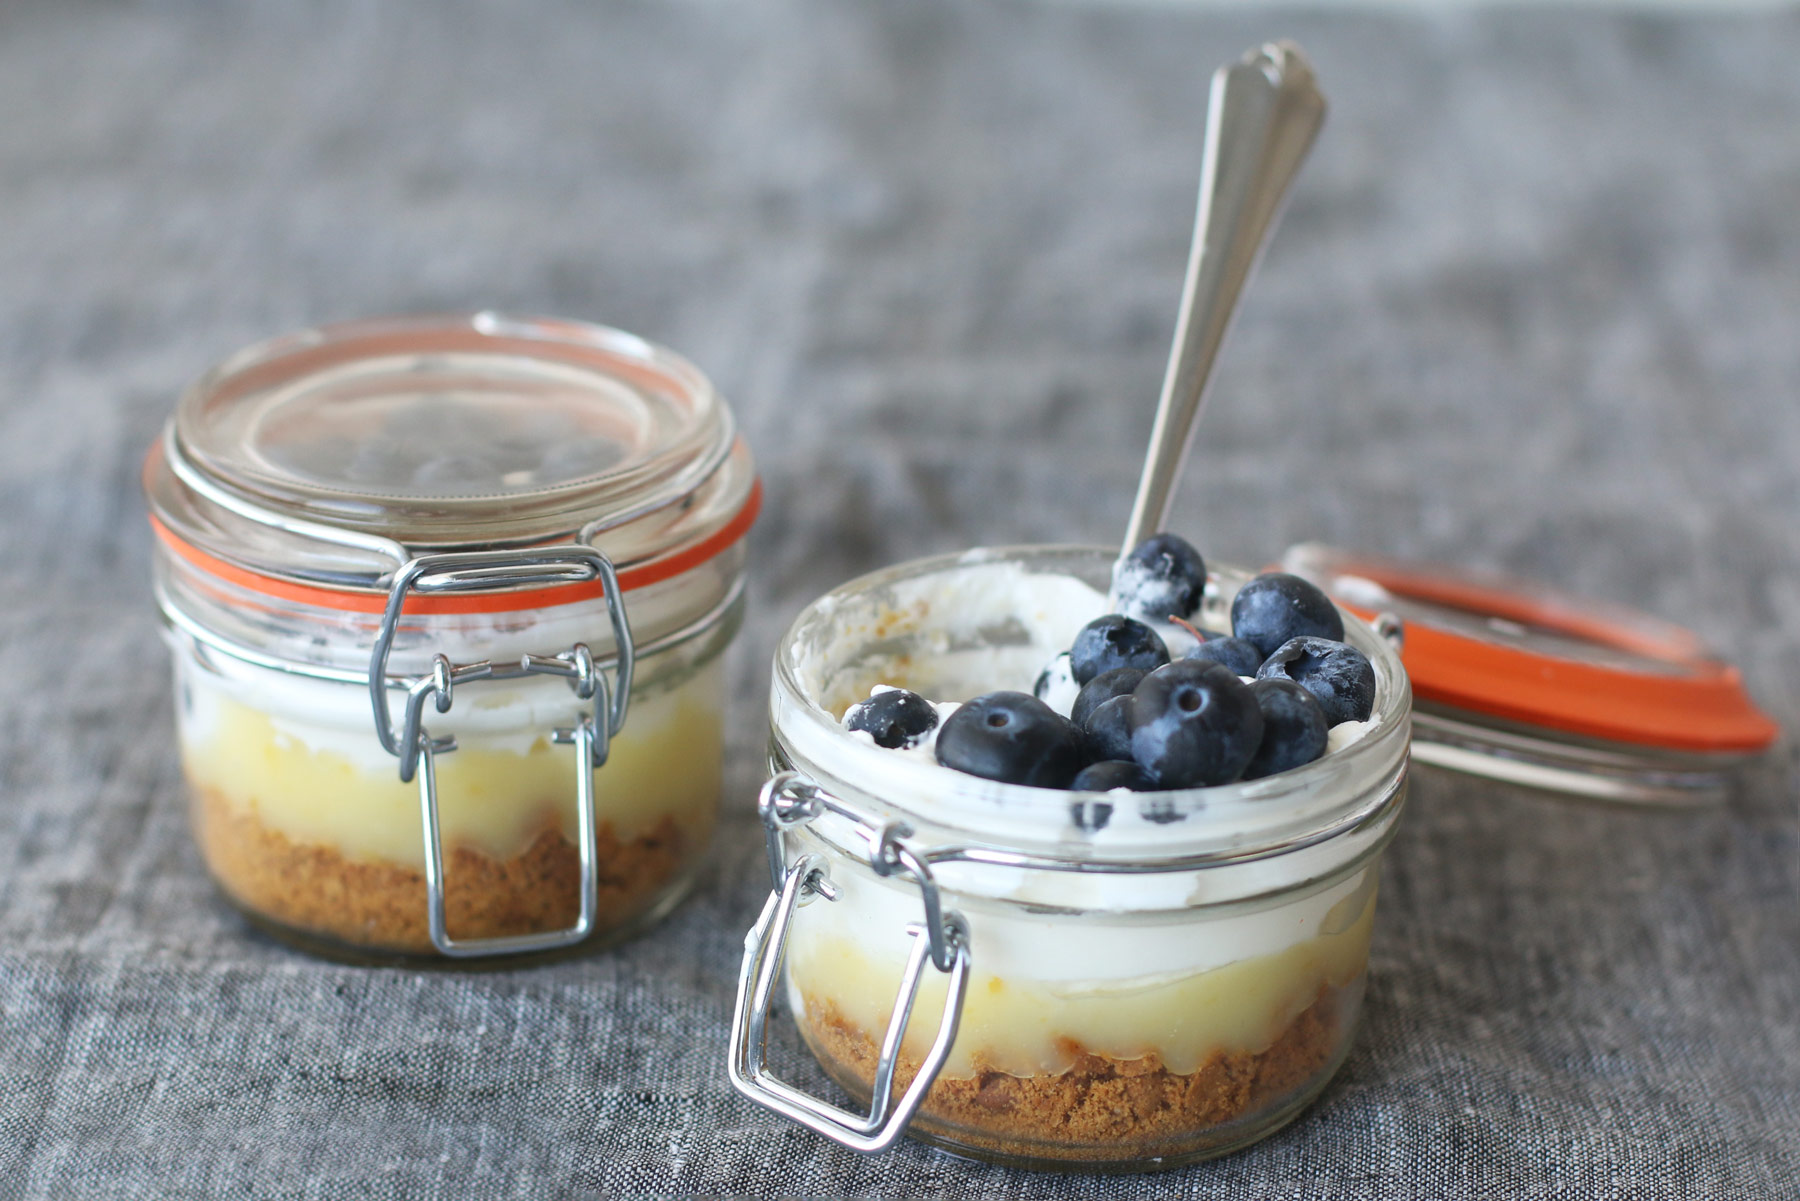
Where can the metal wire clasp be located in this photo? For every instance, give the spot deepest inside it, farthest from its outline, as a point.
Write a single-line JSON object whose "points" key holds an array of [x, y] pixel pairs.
{"points": [[414, 746], [787, 801]]}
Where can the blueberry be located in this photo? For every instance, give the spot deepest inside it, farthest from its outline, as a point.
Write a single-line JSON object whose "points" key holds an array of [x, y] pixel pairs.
{"points": [[1274, 607], [1118, 682], [1239, 654], [1163, 577], [1294, 728], [1194, 723], [894, 717], [1013, 738], [1109, 729], [1109, 774], [1090, 815], [1339, 676], [1113, 641], [1056, 684], [1160, 810]]}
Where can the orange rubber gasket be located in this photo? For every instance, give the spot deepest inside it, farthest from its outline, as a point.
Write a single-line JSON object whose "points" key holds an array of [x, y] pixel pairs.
{"points": [[361, 601], [1702, 707]]}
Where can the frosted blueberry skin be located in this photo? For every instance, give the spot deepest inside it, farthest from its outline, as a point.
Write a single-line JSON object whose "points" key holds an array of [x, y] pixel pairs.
{"points": [[1194, 724], [1109, 774], [1239, 654], [1160, 810], [1120, 681], [1163, 577], [1338, 675], [1114, 641], [1108, 729], [1013, 738], [1295, 731], [1276, 607], [894, 718], [1090, 815]]}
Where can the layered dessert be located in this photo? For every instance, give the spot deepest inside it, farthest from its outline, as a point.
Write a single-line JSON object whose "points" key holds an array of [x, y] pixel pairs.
{"points": [[304, 822], [1095, 1040], [1112, 1016], [470, 489]]}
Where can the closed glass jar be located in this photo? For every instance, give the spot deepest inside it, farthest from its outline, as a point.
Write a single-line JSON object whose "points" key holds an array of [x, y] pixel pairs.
{"points": [[530, 536], [1133, 980]]}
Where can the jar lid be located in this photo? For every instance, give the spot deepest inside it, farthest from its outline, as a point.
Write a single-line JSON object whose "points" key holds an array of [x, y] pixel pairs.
{"points": [[323, 460], [1515, 681]]}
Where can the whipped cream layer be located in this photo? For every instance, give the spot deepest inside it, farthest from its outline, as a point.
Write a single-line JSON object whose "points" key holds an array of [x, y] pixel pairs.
{"points": [[1023, 621], [301, 755], [1043, 614], [955, 627]]}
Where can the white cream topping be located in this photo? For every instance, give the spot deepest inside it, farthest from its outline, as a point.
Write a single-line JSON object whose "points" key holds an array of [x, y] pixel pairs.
{"points": [[1060, 689], [337, 718], [328, 716], [1021, 619], [1070, 951], [1049, 610], [1347, 732]]}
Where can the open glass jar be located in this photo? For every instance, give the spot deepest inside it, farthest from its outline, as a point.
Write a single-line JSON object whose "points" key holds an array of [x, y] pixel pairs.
{"points": [[382, 542], [1117, 980]]}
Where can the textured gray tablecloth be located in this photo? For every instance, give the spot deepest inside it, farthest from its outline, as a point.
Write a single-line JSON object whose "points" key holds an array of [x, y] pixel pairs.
{"points": [[1534, 307]]}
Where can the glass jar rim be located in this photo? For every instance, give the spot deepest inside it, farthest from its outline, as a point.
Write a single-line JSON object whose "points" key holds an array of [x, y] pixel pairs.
{"points": [[1170, 829]]}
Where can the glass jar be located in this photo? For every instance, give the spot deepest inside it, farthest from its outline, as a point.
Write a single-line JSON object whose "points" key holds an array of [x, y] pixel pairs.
{"points": [[447, 600], [1120, 981]]}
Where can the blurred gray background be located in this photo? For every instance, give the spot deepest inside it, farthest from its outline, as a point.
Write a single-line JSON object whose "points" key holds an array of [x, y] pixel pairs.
{"points": [[1533, 307]]}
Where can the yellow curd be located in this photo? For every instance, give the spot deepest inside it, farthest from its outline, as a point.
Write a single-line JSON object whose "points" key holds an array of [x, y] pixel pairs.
{"points": [[1028, 1027], [665, 762]]}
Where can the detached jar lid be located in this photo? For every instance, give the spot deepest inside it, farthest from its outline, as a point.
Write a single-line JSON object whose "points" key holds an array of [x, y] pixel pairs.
{"points": [[312, 466], [1517, 682]]}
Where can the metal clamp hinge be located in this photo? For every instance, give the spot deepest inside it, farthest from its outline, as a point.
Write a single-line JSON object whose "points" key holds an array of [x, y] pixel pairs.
{"points": [[788, 801], [592, 735]]}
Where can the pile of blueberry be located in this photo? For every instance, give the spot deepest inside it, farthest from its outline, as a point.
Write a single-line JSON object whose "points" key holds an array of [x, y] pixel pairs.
{"points": [[1143, 722]]}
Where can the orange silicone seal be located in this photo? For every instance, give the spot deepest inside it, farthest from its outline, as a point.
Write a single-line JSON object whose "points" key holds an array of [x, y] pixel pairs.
{"points": [[359, 601], [1682, 699]]}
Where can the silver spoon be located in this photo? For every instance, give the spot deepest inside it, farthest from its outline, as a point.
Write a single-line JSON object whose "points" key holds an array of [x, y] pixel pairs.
{"points": [[1261, 119]]}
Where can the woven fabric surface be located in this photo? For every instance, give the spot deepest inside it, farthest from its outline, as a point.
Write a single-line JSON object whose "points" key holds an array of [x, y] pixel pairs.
{"points": [[1532, 308]]}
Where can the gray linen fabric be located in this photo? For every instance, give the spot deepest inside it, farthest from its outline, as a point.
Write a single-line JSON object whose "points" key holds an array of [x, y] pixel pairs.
{"points": [[1533, 307]]}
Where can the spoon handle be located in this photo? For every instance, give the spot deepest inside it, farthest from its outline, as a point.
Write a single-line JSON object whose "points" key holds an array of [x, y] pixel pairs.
{"points": [[1261, 119]]}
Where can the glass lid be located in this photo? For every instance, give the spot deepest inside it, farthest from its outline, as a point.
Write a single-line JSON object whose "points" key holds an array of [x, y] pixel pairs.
{"points": [[444, 430], [1516, 681], [327, 454]]}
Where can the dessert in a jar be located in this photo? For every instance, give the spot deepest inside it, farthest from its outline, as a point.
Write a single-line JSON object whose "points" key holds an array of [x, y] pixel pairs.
{"points": [[1077, 867], [447, 600], [1006, 951]]}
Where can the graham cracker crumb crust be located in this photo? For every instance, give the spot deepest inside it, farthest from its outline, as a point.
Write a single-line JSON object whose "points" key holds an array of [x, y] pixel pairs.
{"points": [[380, 904], [1100, 1108]]}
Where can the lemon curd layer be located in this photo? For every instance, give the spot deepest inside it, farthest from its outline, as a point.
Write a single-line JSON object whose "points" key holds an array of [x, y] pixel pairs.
{"points": [[1025, 1023], [330, 783]]}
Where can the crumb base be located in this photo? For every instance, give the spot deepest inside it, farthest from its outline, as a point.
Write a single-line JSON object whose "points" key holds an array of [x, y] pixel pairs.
{"points": [[1104, 1113], [328, 903]]}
